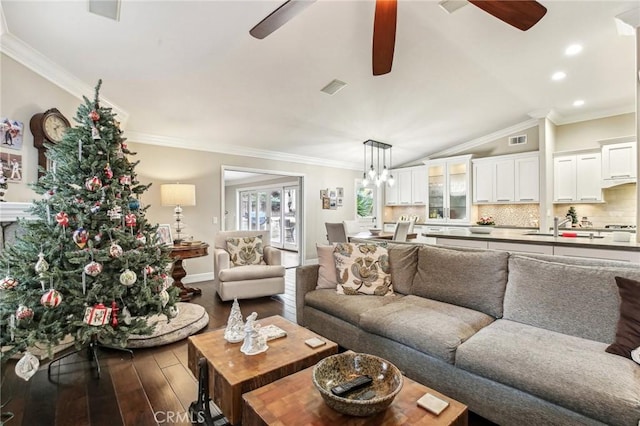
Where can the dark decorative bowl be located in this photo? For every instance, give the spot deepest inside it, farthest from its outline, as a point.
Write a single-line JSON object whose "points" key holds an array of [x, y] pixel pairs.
{"points": [[340, 368]]}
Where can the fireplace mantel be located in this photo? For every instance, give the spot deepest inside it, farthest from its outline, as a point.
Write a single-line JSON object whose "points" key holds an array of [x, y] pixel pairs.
{"points": [[10, 212]]}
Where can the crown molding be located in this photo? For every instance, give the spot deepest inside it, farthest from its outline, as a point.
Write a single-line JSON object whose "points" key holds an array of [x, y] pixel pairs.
{"points": [[150, 139], [595, 115], [533, 122], [21, 52]]}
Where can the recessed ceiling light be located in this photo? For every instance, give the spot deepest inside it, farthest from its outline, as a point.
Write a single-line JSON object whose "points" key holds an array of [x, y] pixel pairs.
{"points": [[578, 103], [559, 75], [574, 49]]}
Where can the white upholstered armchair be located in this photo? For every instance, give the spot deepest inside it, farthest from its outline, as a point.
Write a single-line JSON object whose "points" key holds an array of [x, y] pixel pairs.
{"points": [[238, 270]]}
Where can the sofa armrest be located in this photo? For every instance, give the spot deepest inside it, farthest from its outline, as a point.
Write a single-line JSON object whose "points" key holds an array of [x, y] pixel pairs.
{"points": [[272, 255], [220, 260], [306, 281]]}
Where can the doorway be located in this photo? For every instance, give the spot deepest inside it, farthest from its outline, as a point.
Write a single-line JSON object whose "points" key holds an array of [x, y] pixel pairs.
{"points": [[270, 200]]}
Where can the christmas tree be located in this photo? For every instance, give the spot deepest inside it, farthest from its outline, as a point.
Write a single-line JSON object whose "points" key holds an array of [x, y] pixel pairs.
{"points": [[90, 264]]}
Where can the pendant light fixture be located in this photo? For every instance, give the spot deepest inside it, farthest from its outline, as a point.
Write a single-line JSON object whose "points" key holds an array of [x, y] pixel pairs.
{"points": [[376, 174]]}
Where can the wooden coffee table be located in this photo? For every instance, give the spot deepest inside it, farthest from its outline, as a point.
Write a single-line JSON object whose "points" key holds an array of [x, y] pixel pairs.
{"points": [[294, 400], [232, 373]]}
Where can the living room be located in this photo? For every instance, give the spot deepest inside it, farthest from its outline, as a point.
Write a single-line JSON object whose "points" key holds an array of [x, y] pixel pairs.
{"points": [[28, 89]]}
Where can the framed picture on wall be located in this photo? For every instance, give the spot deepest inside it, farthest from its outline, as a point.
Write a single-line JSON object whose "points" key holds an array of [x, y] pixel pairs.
{"points": [[164, 234], [325, 203], [340, 192], [323, 193], [333, 203], [339, 201], [11, 132], [11, 165]]}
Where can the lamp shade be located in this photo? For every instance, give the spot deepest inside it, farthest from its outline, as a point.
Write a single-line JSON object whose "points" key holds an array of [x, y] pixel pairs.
{"points": [[176, 194]]}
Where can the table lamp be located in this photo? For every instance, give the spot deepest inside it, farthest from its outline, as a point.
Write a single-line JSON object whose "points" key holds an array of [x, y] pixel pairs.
{"points": [[178, 195]]}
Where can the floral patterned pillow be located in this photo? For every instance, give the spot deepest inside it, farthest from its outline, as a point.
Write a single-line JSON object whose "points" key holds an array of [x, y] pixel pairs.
{"points": [[245, 251], [363, 269]]}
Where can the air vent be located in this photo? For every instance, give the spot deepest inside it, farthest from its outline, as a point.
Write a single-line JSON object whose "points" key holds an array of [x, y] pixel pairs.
{"points": [[333, 87], [517, 140]]}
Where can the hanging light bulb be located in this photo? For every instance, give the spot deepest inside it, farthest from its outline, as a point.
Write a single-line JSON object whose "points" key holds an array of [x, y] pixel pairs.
{"points": [[365, 180], [391, 181], [377, 173], [385, 174]]}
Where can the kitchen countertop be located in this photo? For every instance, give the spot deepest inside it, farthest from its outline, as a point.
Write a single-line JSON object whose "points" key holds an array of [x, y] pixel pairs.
{"points": [[519, 236]]}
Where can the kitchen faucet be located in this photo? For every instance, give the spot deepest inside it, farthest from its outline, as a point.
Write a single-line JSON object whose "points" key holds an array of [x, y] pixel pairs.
{"points": [[557, 223]]}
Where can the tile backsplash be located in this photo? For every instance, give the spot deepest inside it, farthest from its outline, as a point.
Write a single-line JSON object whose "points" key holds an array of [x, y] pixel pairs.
{"points": [[619, 207], [511, 214]]}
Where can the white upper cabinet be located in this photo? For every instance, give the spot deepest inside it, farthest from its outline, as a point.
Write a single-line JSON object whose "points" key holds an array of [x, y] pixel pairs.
{"points": [[449, 195], [619, 163], [410, 187], [506, 179], [577, 177]]}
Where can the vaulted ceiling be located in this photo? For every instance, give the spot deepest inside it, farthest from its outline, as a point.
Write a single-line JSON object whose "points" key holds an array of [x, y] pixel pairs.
{"points": [[188, 73]]}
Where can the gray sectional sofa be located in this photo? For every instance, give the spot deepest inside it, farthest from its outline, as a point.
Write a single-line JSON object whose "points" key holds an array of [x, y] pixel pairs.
{"points": [[520, 339]]}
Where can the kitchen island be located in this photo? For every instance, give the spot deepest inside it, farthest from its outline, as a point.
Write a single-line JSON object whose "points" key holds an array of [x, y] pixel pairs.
{"points": [[600, 246]]}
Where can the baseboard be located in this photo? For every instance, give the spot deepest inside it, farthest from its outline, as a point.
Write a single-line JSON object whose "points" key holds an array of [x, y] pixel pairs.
{"points": [[197, 278]]}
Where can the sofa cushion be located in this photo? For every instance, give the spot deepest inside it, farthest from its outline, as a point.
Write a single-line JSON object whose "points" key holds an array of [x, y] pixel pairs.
{"points": [[628, 329], [435, 328], [572, 372], [362, 269], [581, 301], [473, 279], [347, 308], [327, 276], [245, 251], [251, 272], [403, 261]]}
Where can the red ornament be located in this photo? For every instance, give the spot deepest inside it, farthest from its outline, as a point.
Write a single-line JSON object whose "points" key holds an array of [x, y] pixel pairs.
{"points": [[51, 299], [108, 172], [62, 218], [94, 116], [114, 314], [93, 184], [130, 220], [97, 315], [125, 180]]}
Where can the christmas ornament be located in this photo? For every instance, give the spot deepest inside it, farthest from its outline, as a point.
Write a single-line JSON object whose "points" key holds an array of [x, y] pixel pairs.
{"points": [[48, 194], [24, 312], [96, 207], [41, 264], [141, 238], [93, 183], [125, 180], [114, 314], [108, 172], [128, 277], [234, 333], [115, 250], [166, 281], [164, 297], [93, 269], [98, 237], [95, 134], [94, 116], [115, 213], [62, 218], [134, 204], [96, 315], [130, 220], [75, 186], [27, 366], [80, 237], [8, 283], [51, 299], [173, 312], [126, 316]]}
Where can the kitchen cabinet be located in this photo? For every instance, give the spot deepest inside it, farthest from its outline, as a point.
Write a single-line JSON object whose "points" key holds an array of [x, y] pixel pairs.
{"points": [[577, 177], [620, 255], [409, 189], [619, 163], [448, 190], [506, 178]]}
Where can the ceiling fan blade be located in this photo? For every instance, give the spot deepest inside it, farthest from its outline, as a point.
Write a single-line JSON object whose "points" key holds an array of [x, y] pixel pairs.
{"points": [[384, 35], [520, 14], [283, 14]]}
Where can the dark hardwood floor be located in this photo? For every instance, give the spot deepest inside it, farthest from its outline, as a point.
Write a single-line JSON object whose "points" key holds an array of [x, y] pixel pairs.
{"points": [[155, 387]]}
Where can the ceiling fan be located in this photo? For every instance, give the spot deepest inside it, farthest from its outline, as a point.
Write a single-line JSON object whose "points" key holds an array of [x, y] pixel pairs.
{"points": [[522, 14]]}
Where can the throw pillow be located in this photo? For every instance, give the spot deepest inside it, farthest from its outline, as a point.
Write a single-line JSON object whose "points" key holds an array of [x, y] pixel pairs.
{"points": [[245, 251], [327, 277], [628, 332], [362, 269]]}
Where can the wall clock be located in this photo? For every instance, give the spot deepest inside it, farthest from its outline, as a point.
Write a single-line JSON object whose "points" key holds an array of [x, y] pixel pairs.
{"points": [[48, 126]]}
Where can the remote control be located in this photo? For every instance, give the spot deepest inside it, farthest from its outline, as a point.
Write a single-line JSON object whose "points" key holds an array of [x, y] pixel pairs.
{"points": [[351, 385]]}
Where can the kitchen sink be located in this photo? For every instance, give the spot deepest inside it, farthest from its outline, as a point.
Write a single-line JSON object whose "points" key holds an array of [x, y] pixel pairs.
{"points": [[579, 235]]}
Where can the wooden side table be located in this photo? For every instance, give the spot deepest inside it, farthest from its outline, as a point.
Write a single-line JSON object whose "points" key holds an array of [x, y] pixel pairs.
{"points": [[178, 254]]}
